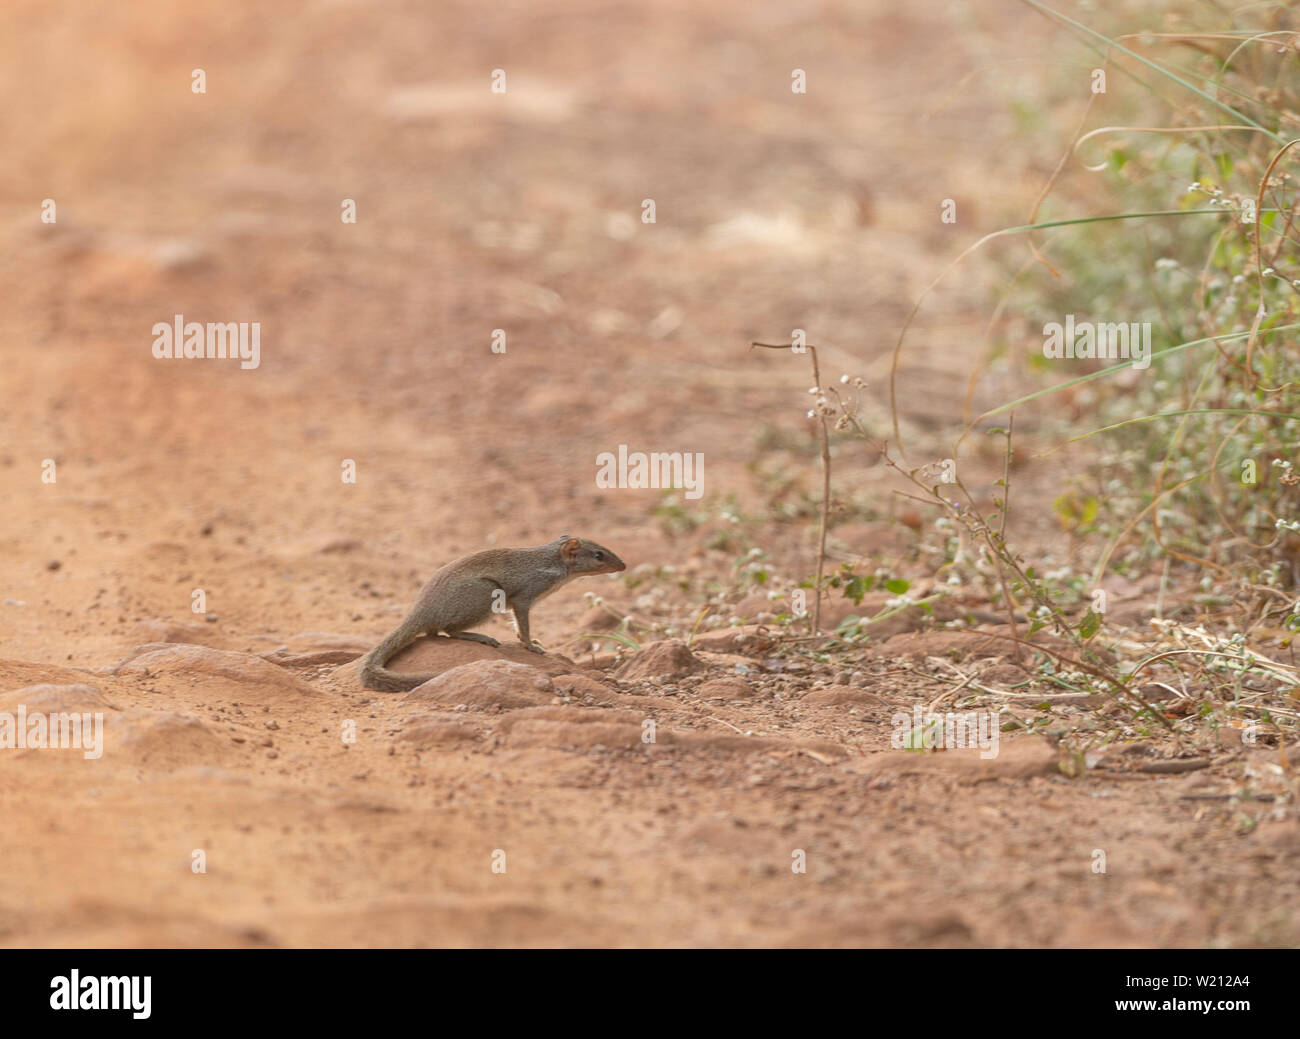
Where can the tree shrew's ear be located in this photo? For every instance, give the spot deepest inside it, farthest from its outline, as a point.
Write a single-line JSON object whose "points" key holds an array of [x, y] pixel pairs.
{"points": [[570, 548]]}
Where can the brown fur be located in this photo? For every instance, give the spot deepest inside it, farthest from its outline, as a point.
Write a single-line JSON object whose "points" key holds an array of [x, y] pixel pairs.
{"points": [[463, 594]]}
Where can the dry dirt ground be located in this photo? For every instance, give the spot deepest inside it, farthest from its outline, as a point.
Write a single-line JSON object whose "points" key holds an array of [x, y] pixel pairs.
{"points": [[226, 734]]}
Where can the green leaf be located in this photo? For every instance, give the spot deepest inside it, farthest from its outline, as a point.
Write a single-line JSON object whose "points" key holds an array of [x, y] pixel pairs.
{"points": [[856, 587], [1091, 624]]}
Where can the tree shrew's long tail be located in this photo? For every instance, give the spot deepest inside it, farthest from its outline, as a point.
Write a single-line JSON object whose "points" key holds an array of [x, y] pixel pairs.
{"points": [[373, 673]]}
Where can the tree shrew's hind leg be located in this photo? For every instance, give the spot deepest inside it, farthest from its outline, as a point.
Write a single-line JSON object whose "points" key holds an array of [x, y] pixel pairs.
{"points": [[473, 636]]}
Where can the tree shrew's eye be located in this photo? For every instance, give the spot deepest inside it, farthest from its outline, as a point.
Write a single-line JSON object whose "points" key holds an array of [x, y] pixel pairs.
{"points": [[600, 555]]}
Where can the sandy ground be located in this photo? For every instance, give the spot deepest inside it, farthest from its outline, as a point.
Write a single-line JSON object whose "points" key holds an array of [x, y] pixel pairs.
{"points": [[226, 736]]}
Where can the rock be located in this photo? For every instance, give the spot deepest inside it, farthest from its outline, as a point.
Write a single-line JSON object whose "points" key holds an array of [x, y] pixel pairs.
{"points": [[165, 740], [756, 607], [728, 689], [667, 659], [438, 655], [1016, 759], [320, 657], [733, 662], [540, 732], [16, 674], [318, 648], [581, 685], [487, 683], [749, 638], [433, 730], [65, 718], [237, 669], [842, 695], [52, 699]]}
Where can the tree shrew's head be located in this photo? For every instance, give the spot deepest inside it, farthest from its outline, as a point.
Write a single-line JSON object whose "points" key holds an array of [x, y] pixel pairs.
{"points": [[586, 557]]}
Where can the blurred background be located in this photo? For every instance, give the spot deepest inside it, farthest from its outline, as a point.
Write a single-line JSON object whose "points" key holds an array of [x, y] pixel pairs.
{"points": [[475, 211], [128, 196]]}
